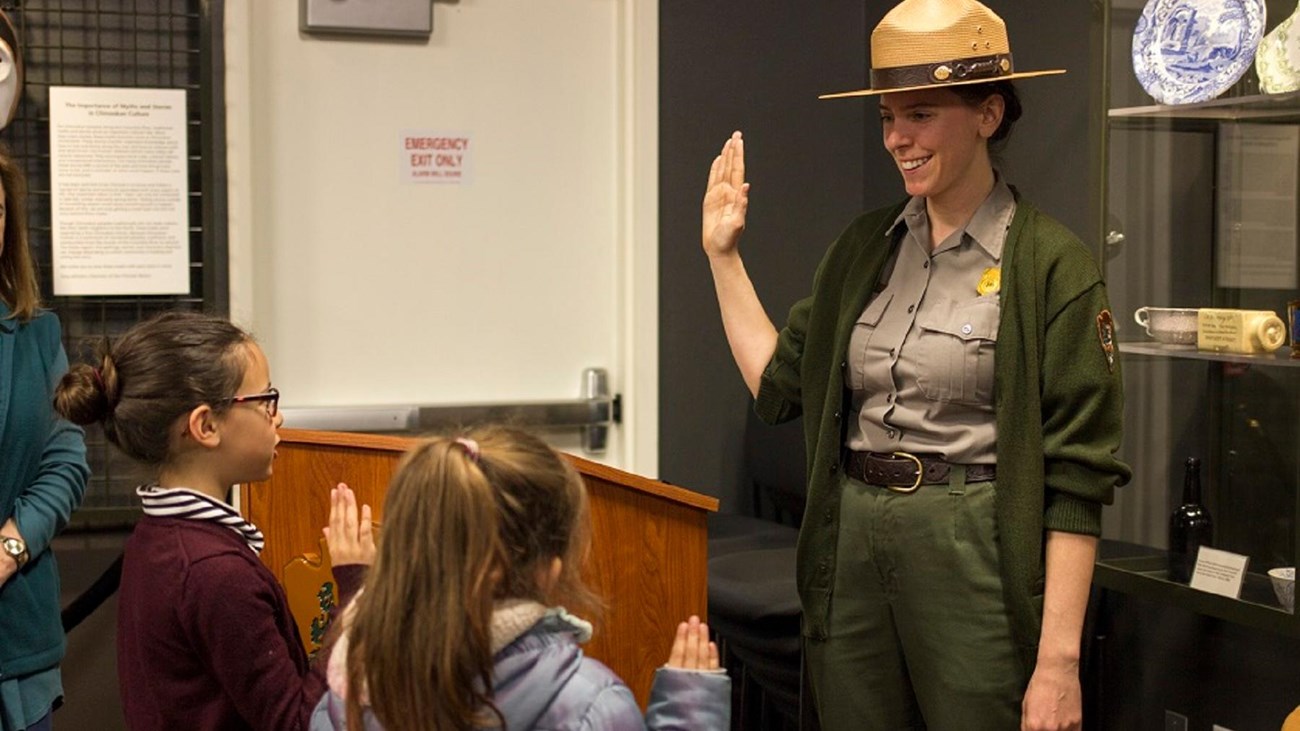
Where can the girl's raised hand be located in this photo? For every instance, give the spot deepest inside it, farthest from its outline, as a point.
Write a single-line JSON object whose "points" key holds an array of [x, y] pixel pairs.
{"points": [[726, 199], [691, 647], [350, 535]]}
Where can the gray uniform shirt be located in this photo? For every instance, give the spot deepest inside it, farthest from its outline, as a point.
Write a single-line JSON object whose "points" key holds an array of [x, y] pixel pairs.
{"points": [[920, 359]]}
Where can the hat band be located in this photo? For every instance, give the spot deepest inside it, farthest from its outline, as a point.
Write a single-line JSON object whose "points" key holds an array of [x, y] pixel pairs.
{"points": [[944, 72]]}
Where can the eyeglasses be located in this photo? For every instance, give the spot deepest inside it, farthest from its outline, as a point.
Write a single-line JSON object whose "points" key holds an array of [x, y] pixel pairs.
{"points": [[271, 396]]}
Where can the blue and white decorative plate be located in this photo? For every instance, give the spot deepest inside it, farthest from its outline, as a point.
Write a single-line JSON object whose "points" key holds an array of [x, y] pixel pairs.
{"points": [[1188, 51]]}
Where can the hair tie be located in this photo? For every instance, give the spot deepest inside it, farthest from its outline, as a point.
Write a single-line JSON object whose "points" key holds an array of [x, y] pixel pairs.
{"points": [[471, 447], [99, 379]]}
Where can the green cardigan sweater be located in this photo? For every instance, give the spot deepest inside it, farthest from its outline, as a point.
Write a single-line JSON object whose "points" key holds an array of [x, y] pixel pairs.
{"points": [[43, 475], [1058, 400]]}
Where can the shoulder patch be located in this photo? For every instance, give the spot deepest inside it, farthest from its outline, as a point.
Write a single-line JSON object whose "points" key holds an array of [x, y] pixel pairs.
{"points": [[1106, 335]]}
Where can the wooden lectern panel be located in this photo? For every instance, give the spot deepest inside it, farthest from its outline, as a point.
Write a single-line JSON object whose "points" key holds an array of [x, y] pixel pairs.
{"points": [[649, 555]]}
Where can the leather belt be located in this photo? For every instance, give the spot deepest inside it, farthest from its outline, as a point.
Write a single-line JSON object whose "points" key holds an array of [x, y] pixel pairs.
{"points": [[905, 472]]}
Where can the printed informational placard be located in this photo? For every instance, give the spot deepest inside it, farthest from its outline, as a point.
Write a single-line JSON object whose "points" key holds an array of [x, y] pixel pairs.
{"points": [[1257, 187], [1219, 572], [428, 156], [119, 191]]}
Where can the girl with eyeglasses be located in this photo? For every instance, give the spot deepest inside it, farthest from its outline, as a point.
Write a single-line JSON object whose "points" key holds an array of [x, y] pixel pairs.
{"points": [[205, 639]]}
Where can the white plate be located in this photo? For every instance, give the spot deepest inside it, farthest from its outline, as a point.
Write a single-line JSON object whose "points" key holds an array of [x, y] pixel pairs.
{"points": [[1188, 51]]}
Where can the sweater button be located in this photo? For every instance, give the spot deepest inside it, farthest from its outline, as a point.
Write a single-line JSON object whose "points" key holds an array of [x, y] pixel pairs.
{"points": [[834, 467], [837, 416], [844, 364]]}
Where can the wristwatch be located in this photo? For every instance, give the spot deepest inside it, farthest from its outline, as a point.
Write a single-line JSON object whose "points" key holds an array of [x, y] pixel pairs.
{"points": [[16, 549]]}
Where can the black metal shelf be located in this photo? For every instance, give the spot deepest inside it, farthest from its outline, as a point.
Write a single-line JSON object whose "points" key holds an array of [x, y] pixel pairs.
{"points": [[1142, 571]]}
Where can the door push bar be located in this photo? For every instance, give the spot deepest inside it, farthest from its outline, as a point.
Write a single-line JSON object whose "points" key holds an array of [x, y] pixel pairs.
{"points": [[593, 413]]}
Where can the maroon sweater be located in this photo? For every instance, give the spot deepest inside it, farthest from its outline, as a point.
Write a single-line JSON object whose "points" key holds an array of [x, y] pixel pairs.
{"points": [[205, 639]]}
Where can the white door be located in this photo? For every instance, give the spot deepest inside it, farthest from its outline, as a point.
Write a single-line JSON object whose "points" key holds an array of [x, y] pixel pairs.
{"points": [[369, 289]]}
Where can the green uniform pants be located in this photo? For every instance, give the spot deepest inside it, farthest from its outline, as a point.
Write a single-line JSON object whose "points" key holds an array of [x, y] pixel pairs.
{"points": [[918, 635]]}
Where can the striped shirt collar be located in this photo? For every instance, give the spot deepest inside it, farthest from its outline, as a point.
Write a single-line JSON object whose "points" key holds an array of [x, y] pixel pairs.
{"points": [[182, 502]]}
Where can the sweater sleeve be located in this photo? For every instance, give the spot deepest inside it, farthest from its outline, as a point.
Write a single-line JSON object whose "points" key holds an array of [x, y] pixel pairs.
{"points": [[231, 613], [44, 507], [348, 578], [1083, 411], [779, 392]]}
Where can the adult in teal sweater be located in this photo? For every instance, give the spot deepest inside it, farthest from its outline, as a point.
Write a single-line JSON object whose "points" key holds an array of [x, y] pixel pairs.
{"points": [[956, 371], [42, 477]]}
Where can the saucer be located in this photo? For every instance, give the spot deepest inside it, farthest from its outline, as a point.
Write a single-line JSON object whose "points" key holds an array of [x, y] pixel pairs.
{"points": [[1188, 51]]}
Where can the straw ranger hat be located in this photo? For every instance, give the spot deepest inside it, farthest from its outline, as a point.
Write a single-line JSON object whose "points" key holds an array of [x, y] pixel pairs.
{"points": [[928, 44]]}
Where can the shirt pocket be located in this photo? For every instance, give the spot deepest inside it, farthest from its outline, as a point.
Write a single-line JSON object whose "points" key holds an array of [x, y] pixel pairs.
{"points": [[955, 348], [860, 339]]}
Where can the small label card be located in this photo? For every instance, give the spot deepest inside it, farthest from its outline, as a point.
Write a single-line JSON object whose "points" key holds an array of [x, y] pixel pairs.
{"points": [[1219, 572]]}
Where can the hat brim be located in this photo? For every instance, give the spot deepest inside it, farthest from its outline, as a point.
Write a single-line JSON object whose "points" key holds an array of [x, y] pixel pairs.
{"points": [[943, 85]]}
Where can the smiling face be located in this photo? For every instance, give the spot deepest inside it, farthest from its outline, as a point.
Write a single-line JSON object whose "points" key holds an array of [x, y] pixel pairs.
{"points": [[249, 433], [938, 141]]}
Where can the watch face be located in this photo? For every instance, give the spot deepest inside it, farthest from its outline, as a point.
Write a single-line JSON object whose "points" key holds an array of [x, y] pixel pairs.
{"points": [[14, 547]]}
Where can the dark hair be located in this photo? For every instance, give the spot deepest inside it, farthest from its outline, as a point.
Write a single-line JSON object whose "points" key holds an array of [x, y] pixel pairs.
{"points": [[467, 522], [975, 94], [155, 372], [18, 288]]}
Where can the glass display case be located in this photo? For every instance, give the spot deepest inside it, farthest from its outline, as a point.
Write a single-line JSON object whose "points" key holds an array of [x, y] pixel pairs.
{"points": [[1198, 210]]}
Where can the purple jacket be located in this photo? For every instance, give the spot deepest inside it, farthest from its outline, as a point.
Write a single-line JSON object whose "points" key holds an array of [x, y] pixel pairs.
{"points": [[543, 680], [205, 639]]}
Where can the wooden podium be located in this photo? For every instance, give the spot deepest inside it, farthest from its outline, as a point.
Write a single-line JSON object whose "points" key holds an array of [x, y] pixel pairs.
{"points": [[649, 555]]}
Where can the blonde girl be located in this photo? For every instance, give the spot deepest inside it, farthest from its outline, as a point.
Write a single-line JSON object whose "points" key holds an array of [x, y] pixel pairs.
{"points": [[205, 639], [459, 625]]}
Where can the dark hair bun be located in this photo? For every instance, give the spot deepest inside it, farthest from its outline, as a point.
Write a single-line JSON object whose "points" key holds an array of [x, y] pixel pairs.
{"points": [[87, 395]]}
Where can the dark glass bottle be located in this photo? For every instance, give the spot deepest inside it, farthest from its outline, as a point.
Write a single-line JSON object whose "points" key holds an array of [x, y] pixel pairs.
{"points": [[1190, 526]]}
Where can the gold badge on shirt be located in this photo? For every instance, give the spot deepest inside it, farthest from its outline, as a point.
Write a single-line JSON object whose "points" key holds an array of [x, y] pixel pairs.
{"points": [[990, 281]]}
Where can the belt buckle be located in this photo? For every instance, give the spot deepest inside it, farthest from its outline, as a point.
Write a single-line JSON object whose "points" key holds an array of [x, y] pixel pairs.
{"points": [[920, 474]]}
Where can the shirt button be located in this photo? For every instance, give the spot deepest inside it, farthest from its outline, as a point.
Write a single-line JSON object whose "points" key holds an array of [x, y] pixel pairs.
{"points": [[837, 416], [844, 364], [834, 467], [925, 265], [891, 352], [830, 515], [890, 433], [910, 308], [966, 329], [889, 398]]}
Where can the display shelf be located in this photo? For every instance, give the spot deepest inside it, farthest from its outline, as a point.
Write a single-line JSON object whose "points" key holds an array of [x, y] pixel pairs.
{"points": [[1281, 359], [1256, 107], [1142, 571], [1161, 179]]}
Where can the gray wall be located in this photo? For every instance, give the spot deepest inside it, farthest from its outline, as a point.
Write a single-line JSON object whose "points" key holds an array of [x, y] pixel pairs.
{"points": [[813, 166]]}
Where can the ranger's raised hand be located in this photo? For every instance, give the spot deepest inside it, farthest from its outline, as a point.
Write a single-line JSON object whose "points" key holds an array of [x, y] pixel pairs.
{"points": [[726, 200]]}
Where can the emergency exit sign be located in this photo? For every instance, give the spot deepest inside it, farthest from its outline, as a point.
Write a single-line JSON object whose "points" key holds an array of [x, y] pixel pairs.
{"points": [[435, 157]]}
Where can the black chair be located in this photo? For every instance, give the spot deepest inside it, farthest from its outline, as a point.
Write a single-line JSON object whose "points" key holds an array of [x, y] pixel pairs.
{"points": [[753, 602]]}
